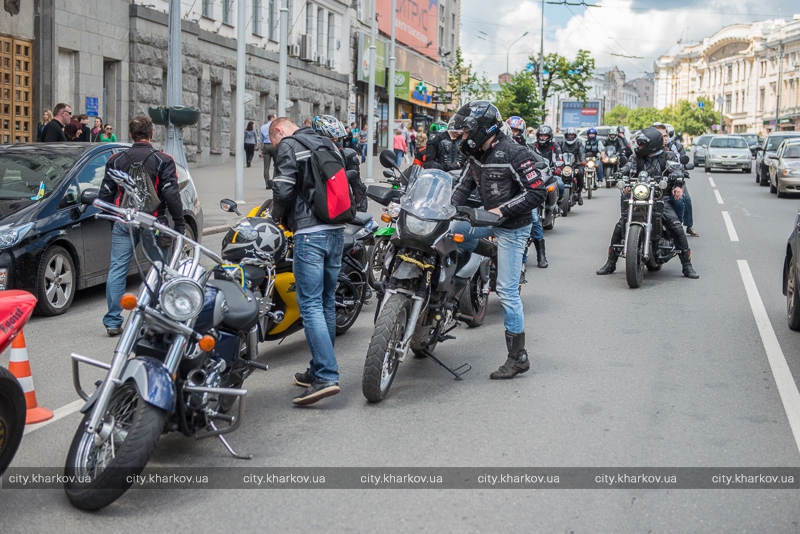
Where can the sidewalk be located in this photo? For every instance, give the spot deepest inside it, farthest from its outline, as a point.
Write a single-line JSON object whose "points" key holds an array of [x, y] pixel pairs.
{"points": [[216, 182]]}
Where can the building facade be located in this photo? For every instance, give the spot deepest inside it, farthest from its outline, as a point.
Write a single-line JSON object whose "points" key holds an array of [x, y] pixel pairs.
{"points": [[750, 73]]}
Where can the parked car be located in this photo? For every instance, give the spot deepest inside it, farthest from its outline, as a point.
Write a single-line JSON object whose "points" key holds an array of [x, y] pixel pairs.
{"points": [[729, 152], [784, 169], [50, 243], [791, 276], [698, 147], [770, 146]]}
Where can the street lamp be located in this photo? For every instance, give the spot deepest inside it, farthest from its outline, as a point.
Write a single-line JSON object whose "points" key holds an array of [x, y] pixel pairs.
{"points": [[509, 51]]}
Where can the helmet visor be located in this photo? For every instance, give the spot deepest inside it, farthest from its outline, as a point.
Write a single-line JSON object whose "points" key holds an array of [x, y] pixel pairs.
{"points": [[461, 123]]}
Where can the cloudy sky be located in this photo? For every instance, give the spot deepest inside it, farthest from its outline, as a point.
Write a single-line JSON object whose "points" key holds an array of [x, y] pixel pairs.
{"points": [[643, 28]]}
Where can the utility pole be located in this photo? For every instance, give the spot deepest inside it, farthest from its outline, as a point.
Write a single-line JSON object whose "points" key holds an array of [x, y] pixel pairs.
{"points": [[541, 58], [390, 81], [283, 58], [371, 133], [174, 142], [240, 89], [778, 88]]}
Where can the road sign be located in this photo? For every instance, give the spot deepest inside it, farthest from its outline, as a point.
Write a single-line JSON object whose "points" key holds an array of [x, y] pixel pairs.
{"points": [[701, 104], [693, 106], [720, 100]]}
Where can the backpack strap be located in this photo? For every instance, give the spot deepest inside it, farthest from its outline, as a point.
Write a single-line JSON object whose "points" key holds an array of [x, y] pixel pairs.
{"points": [[344, 163]]}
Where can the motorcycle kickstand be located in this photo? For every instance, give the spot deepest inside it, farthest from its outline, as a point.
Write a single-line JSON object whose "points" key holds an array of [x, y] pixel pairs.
{"points": [[453, 372], [228, 445]]}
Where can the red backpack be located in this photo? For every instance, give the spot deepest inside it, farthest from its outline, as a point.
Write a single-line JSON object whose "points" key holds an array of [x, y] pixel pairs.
{"points": [[333, 201]]}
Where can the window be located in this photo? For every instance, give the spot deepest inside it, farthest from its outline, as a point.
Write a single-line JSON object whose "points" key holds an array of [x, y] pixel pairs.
{"points": [[737, 103], [331, 34], [730, 72], [92, 173], [208, 9], [728, 103], [271, 20], [309, 18], [256, 17], [763, 67], [320, 31], [761, 97], [226, 11]]}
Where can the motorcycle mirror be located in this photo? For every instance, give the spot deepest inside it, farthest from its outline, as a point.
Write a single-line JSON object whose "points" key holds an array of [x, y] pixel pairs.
{"points": [[387, 159], [388, 174], [684, 159], [228, 205], [89, 195], [689, 166]]}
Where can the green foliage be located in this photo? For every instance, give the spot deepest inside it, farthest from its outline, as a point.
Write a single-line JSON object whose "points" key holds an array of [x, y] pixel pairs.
{"points": [[618, 116], [681, 116], [460, 77], [562, 75], [520, 96], [643, 117]]}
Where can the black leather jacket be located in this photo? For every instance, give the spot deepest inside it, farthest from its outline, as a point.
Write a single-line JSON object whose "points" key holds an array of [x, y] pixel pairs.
{"points": [[352, 163], [294, 183], [443, 153], [161, 168], [654, 166], [506, 178], [550, 154], [576, 149]]}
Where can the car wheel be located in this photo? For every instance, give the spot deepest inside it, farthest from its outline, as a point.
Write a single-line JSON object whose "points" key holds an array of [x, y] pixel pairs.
{"points": [[792, 298], [56, 282], [764, 180], [187, 249], [748, 170]]}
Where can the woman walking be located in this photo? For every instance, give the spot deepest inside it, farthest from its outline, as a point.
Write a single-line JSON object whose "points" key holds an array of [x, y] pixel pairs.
{"points": [[399, 147], [250, 141]]}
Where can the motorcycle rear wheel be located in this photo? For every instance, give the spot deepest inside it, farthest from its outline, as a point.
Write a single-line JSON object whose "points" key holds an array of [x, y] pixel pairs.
{"points": [[634, 260], [380, 366], [349, 301], [12, 417], [137, 426]]}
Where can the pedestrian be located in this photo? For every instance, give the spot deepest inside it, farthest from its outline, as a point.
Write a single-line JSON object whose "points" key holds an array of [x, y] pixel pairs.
{"points": [[250, 141], [307, 123], [47, 116], [362, 142], [412, 140], [54, 131], [354, 129], [421, 138], [97, 130], [317, 254], [348, 138], [267, 151], [107, 136], [160, 168], [86, 133], [72, 131], [399, 144]]}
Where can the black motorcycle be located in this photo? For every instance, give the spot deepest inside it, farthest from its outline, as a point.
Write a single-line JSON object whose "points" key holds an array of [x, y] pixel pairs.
{"points": [[610, 165], [421, 301], [549, 209], [569, 176]]}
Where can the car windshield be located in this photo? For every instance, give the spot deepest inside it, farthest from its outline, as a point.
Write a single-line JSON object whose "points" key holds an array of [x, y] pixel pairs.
{"points": [[750, 138], [429, 196], [774, 141], [728, 142], [703, 140], [792, 151], [31, 174]]}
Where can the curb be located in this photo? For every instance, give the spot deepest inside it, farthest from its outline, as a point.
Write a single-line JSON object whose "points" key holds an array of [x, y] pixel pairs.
{"points": [[211, 230]]}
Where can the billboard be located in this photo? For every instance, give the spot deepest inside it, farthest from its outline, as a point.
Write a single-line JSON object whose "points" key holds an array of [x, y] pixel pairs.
{"points": [[380, 60], [416, 24], [580, 114]]}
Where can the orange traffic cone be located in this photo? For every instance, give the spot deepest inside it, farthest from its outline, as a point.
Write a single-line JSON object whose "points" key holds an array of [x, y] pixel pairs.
{"points": [[20, 367]]}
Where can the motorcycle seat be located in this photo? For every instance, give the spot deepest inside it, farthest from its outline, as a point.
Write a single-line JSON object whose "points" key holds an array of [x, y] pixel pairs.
{"points": [[255, 275], [362, 218], [242, 311]]}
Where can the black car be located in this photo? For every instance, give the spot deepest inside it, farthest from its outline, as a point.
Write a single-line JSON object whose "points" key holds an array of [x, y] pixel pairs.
{"points": [[50, 243]]}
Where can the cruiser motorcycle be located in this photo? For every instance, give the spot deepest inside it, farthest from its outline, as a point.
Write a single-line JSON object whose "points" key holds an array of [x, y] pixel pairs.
{"points": [[590, 176], [568, 171], [610, 165], [648, 243], [549, 209], [421, 300], [188, 344]]}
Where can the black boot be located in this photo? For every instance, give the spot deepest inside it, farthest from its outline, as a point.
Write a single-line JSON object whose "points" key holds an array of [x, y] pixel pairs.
{"points": [[540, 257], [611, 264], [686, 261], [517, 361]]}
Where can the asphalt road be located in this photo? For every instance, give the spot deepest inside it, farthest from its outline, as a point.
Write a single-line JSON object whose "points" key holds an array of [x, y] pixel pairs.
{"points": [[673, 374]]}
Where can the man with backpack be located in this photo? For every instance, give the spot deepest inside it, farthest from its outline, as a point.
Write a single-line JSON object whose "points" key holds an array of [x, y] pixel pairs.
{"points": [[156, 191], [312, 198]]}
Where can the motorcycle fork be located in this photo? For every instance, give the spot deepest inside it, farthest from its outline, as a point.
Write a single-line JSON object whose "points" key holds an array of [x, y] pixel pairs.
{"points": [[648, 229]]}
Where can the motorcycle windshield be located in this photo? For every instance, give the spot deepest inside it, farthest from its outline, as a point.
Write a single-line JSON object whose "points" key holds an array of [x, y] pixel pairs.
{"points": [[569, 159], [429, 196], [611, 150]]}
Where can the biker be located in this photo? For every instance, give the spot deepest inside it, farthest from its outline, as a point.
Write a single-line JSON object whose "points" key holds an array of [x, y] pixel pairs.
{"points": [[594, 148], [518, 134], [651, 157], [442, 151], [673, 142], [510, 186], [331, 127], [621, 135], [573, 145], [550, 151]]}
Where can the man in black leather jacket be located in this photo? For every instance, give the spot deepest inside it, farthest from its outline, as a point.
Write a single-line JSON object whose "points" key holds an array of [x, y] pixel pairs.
{"points": [[651, 158], [443, 152], [572, 144], [317, 253], [510, 186]]}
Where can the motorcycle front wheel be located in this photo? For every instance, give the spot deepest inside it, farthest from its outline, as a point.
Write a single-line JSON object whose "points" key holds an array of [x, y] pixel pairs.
{"points": [[377, 262], [589, 187], [12, 417], [348, 305], [380, 366], [634, 257], [97, 474], [565, 201]]}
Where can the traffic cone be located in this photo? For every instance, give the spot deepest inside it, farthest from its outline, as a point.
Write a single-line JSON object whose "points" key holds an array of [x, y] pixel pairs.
{"points": [[20, 367]]}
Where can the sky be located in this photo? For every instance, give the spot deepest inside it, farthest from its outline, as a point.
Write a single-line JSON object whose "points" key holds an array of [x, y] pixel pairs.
{"points": [[642, 28]]}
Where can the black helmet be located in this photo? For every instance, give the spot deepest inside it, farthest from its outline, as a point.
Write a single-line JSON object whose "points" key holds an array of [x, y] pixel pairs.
{"points": [[649, 141], [480, 119], [621, 130], [254, 237], [570, 136], [544, 136]]}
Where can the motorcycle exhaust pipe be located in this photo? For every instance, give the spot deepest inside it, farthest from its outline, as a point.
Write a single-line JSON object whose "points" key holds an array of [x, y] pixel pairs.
{"points": [[197, 378]]}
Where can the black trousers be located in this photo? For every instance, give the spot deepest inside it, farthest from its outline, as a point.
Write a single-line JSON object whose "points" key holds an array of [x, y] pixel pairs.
{"points": [[249, 150]]}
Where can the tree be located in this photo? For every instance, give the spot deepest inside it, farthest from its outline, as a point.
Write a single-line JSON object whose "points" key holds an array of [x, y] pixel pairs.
{"points": [[460, 77], [561, 75], [694, 121], [480, 90], [520, 96], [618, 116], [643, 117]]}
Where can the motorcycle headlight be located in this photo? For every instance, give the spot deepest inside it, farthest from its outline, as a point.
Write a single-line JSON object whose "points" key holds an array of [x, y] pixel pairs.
{"points": [[181, 299], [614, 159], [590, 164], [641, 192], [605, 160], [418, 226], [567, 171], [662, 184], [10, 235]]}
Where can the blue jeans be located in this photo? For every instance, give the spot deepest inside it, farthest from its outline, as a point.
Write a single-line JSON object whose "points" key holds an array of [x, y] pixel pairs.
{"points": [[398, 157], [316, 265], [510, 247], [560, 186], [121, 254], [599, 171], [683, 208], [363, 152], [536, 227]]}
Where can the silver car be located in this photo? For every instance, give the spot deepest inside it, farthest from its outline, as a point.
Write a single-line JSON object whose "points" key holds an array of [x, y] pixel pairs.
{"points": [[698, 148], [729, 152], [784, 169]]}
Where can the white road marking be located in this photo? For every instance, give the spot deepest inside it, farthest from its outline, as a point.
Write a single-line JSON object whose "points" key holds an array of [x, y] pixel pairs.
{"points": [[729, 225], [711, 181], [777, 361], [719, 197], [59, 413]]}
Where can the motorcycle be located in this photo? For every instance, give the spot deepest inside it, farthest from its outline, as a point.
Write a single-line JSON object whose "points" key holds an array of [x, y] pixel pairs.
{"points": [[610, 165], [252, 239], [568, 175], [590, 175], [188, 344], [647, 242], [421, 300], [16, 307], [549, 209]]}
